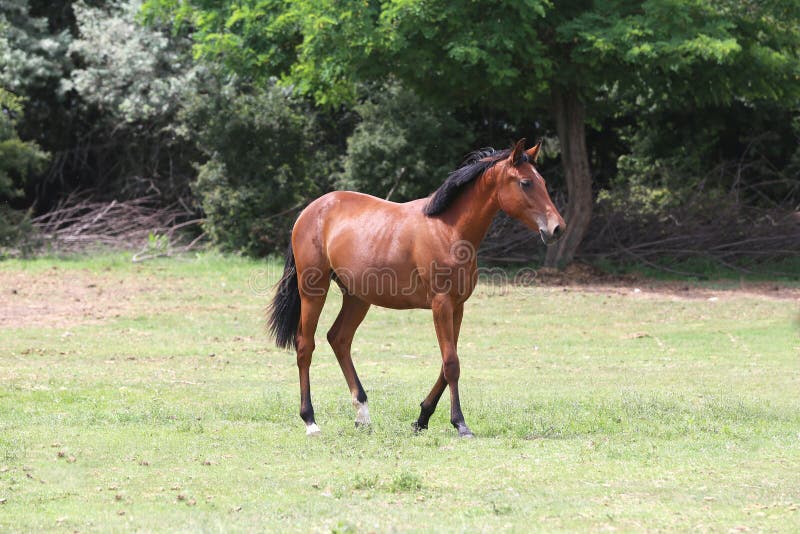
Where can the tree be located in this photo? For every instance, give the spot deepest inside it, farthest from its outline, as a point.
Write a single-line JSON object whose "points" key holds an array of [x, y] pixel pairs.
{"points": [[578, 60]]}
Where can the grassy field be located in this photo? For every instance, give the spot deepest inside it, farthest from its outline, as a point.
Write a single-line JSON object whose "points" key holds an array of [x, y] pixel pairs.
{"points": [[147, 397]]}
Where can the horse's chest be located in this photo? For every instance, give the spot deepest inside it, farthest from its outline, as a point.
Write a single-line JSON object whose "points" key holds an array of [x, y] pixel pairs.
{"points": [[454, 278]]}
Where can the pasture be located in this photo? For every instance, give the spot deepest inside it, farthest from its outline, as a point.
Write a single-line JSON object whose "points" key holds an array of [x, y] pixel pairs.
{"points": [[147, 397]]}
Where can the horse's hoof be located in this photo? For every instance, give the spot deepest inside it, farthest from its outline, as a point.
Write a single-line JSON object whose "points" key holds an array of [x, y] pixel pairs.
{"points": [[313, 430], [417, 428], [364, 427], [363, 422], [465, 432]]}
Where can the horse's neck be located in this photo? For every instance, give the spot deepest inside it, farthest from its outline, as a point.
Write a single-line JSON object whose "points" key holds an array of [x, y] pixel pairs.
{"points": [[474, 209]]}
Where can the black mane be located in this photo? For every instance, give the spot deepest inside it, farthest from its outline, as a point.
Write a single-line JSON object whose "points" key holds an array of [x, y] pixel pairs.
{"points": [[474, 165]]}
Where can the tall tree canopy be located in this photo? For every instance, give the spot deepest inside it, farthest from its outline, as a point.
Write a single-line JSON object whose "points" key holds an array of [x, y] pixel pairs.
{"points": [[579, 61]]}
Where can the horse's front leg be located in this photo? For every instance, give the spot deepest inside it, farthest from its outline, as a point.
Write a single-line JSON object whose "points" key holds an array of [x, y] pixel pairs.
{"points": [[445, 311], [428, 406]]}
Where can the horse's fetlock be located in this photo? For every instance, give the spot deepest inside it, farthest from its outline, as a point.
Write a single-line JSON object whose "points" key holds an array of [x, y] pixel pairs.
{"points": [[307, 414], [426, 411]]}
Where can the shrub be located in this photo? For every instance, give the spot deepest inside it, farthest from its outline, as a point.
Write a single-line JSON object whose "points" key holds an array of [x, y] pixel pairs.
{"points": [[262, 166]]}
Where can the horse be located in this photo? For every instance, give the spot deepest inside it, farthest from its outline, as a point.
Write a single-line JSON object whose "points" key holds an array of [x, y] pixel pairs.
{"points": [[417, 254]]}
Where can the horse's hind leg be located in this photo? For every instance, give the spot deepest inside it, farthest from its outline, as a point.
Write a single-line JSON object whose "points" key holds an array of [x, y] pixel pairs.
{"points": [[313, 287], [340, 336]]}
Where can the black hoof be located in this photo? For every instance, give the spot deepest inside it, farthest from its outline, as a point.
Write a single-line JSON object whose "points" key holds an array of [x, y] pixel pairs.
{"points": [[418, 427]]}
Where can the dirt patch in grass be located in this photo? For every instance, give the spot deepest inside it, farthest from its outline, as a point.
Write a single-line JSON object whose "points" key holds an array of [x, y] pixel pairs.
{"points": [[58, 297]]}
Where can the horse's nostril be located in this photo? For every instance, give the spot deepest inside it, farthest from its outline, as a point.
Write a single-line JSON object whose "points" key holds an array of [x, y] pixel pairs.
{"points": [[557, 231]]}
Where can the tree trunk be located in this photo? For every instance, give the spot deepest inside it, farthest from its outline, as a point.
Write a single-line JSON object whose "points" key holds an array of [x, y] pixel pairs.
{"points": [[570, 125]]}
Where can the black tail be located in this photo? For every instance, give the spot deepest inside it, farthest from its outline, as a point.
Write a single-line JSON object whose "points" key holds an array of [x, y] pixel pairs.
{"points": [[284, 312]]}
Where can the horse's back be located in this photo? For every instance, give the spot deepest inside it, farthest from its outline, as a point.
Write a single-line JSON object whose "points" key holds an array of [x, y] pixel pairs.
{"points": [[365, 240], [349, 210], [361, 202]]}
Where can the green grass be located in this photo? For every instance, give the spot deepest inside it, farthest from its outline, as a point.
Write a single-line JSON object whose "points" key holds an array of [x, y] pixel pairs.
{"points": [[593, 410]]}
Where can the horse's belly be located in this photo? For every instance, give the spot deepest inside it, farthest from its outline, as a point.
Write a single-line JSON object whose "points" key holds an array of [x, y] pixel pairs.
{"points": [[398, 287]]}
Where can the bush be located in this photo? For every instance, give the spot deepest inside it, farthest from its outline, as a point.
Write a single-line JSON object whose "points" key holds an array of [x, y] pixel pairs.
{"points": [[263, 165], [17, 234], [18, 159]]}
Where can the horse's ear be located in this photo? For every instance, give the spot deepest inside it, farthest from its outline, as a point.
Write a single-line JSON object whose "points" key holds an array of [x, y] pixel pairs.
{"points": [[533, 152], [517, 152]]}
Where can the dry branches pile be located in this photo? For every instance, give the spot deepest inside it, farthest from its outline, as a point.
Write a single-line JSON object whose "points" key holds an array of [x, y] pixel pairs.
{"points": [[729, 237], [80, 223]]}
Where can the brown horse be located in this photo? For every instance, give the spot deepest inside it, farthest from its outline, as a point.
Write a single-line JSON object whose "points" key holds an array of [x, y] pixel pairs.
{"points": [[420, 254]]}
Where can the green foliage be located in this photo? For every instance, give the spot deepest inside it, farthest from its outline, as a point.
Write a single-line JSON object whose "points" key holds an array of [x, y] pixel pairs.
{"points": [[262, 163], [402, 147], [129, 85], [656, 174], [33, 59], [157, 244], [747, 156], [698, 52], [254, 38], [18, 159], [31, 56], [17, 235], [129, 72], [513, 53], [326, 48]]}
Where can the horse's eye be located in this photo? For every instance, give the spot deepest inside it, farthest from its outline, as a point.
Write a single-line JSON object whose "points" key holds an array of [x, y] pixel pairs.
{"points": [[525, 184]]}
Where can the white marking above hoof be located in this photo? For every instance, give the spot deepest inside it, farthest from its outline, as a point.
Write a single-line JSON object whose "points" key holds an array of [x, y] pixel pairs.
{"points": [[362, 413], [313, 430]]}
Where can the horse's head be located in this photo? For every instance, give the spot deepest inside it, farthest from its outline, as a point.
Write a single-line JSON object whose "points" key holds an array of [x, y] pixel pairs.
{"points": [[522, 193]]}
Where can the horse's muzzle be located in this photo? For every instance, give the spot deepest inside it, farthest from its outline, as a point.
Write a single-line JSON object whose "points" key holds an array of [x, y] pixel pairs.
{"points": [[548, 238]]}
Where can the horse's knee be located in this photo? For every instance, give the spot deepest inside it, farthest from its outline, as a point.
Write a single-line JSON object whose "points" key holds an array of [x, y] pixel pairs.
{"points": [[451, 367], [305, 348], [339, 342], [334, 339]]}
